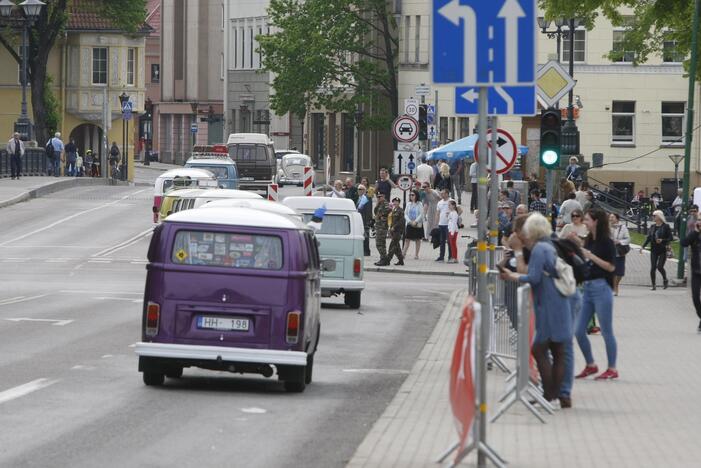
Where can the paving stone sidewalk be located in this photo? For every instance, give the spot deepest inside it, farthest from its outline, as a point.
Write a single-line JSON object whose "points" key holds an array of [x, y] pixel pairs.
{"points": [[650, 417]]}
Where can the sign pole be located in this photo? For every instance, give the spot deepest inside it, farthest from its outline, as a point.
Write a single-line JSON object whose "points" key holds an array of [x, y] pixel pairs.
{"points": [[494, 194]]}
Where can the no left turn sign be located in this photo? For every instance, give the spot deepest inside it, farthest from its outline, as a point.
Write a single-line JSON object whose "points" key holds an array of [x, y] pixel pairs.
{"points": [[507, 151]]}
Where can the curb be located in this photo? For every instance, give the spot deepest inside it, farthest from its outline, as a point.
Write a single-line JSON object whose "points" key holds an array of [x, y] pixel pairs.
{"points": [[56, 187], [417, 272]]}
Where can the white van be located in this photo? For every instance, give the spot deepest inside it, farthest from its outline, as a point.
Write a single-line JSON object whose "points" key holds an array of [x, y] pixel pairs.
{"points": [[195, 198], [179, 178], [254, 204], [254, 156], [340, 239]]}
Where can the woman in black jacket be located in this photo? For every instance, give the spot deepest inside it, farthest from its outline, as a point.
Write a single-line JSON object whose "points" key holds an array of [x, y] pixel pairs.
{"points": [[659, 236], [693, 241]]}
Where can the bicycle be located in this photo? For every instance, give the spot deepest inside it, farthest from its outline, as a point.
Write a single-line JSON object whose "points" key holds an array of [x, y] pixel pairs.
{"points": [[114, 171]]}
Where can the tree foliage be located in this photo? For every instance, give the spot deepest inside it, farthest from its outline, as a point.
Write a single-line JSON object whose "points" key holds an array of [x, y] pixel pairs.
{"points": [[653, 22], [127, 15], [336, 55]]}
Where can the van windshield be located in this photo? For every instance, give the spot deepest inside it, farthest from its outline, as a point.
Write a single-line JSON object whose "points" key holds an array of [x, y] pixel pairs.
{"points": [[248, 152], [179, 182], [218, 171], [209, 248], [335, 225]]}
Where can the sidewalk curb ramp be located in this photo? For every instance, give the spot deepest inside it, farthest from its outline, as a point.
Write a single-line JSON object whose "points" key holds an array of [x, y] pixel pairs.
{"points": [[57, 186]]}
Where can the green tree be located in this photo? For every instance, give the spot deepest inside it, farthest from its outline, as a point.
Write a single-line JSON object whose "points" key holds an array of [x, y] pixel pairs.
{"points": [[127, 15], [338, 55], [651, 24]]}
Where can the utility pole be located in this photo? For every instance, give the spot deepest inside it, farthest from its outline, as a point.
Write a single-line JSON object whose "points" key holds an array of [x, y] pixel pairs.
{"points": [[689, 133]]}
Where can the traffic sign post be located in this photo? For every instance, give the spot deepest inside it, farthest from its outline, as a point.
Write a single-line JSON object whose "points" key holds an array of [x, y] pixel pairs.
{"points": [[405, 129], [506, 150], [193, 128]]}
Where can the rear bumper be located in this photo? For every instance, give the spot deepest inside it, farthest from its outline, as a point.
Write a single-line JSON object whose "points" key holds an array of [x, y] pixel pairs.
{"points": [[336, 285], [259, 185], [221, 353]]}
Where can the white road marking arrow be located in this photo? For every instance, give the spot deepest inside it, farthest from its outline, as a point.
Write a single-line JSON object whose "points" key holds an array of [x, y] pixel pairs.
{"points": [[470, 95], [58, 323], [511, 11], [454, 12]]}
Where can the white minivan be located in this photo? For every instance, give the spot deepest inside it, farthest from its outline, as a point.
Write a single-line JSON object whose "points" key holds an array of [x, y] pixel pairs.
{"points": [[182, 177], [340, 239]]}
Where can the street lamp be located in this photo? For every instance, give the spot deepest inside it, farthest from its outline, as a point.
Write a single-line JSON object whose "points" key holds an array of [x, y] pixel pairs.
{"points": [[31, 10], [126, 115], [676, 159]]}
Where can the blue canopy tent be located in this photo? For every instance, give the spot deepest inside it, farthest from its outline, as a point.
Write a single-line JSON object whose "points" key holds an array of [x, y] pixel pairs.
{"points": [[461, 149]]}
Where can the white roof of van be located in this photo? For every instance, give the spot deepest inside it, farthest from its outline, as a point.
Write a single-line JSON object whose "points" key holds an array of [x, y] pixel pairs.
{"points": [[236, 217], [215, 193], [187, 172], [249, 138], [312, 203], [216, 159], [262, 204]]}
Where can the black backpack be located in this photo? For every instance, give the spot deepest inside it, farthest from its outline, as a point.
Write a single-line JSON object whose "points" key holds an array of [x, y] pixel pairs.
{"points": [[50, 152], [571, 253]]}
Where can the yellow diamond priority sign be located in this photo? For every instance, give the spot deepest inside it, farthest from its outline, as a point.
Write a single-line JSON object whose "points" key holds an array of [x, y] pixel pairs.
{"points": [[553, 82]]}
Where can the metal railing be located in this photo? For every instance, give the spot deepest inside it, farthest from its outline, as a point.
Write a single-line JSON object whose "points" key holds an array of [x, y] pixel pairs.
{"points": [[34, 163]]}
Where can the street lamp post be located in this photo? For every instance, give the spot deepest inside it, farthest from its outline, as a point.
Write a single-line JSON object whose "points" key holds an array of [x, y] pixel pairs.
{"points": [[31, 9], [123, 99], [676, 159]]}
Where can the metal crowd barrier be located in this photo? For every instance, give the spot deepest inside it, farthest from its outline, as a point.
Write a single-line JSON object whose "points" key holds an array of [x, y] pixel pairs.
{"points": [[34, 162]]}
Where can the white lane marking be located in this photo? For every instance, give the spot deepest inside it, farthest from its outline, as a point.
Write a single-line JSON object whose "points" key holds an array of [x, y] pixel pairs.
{"points": [[15, 300], [377, 371], [254, 410], [14, 260], [139, 262], [124, 244], [79, 291], [68, 218], [133, 345], [98, 260], [106, 356], [58, 323], [81, 367], [25, 389], [106, 298], [57, 260]]}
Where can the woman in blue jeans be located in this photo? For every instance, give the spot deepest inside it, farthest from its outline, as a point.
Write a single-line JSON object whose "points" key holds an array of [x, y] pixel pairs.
{"points": [[597, 296]]}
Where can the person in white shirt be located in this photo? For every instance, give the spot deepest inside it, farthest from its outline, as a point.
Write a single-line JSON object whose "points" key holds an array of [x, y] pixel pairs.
{"points": [[15, 149], [337, 190], [581, 194], [424, 173], [442, 209], [568, 206], [473, 184], [453, 228]]}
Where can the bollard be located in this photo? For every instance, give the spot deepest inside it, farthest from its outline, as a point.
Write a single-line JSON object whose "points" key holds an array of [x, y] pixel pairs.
{"points": [[272, 192], [308, 180]]}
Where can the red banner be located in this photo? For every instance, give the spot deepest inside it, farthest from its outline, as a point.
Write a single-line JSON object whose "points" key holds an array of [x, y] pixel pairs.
{"points": [[462, 379]]}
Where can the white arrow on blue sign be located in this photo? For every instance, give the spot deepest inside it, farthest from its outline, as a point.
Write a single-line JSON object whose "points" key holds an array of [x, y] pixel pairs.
{"points": [[480, 43], [501, 100]]}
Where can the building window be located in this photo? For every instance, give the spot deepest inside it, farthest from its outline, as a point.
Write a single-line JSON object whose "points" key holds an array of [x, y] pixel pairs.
{"points": [[99, 65], [131, 65], [250, 47], [579, 49], [443, 130], [623, 122], [670, 54], [260, 53], [464, 123], [672, 122], [221, 66], [407, 26], [155, 73], [622, 55], [417, 39], [236, 51], [222, 17]]}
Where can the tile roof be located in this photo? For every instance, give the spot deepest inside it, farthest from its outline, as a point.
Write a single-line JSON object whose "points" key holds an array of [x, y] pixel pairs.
{"points": [[85, 15]]}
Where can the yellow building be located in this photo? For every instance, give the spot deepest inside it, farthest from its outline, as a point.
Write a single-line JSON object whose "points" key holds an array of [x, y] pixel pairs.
{"points": [[91, 65]]}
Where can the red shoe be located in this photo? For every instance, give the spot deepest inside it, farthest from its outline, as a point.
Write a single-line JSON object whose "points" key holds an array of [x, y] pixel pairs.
{"points": [[594, 330], [608, 374], [589, 370]]}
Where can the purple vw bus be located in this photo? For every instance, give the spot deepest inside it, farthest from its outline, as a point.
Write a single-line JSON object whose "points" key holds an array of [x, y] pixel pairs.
{"points": [[231, 289]]}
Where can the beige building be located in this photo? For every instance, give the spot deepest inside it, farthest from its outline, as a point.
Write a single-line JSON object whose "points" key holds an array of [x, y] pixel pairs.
{"points": [[191, 78], [633, 115]]}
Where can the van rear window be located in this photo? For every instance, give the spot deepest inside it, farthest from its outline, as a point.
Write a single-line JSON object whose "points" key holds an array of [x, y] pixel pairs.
{"points": [[208, 248], [243, 152], [338, 225]]}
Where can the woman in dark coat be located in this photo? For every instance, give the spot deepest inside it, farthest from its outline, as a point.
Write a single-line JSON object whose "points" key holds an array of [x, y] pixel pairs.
{"points": [[659, 237]]}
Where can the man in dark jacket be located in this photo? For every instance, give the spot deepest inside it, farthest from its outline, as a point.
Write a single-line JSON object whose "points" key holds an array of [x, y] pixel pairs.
{"points": [[693, 241], [365, 209]]}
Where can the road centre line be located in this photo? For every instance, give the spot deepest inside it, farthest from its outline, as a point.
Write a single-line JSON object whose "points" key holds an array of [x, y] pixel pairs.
{"points": [[15, 300], [90, 291], [25, 389], [68, 218], [124, 244]]}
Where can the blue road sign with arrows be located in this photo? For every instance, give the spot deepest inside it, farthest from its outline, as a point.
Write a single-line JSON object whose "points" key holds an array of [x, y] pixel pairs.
{"points": [[501, 100], [482, 43]]}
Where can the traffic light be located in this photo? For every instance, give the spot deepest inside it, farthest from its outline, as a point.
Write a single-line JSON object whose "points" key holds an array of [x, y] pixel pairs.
{"points": [[423, 126], [550, 138]]}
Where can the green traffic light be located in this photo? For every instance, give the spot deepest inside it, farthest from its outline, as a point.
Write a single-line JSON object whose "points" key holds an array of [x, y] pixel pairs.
{"points": [[549, 158]]}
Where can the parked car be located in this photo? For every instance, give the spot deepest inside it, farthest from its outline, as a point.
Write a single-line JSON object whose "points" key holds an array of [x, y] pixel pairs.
{"points": [[255, 159], [177, 179], [231, 290], [341, 240], [291, 170], [278, 157], [221, 165]]}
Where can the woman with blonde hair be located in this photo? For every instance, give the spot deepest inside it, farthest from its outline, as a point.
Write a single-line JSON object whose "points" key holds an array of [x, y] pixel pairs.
{"points": [[659, 236], [553, 320], [443, 177]]}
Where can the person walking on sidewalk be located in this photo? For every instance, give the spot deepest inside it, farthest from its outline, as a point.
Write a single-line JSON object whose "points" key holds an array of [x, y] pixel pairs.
{"points": [[442, 209], [597, 298], [414, 215], [365, 210], [553, 319], [659, 237], [453, 229], [473, 186], [457, 174], [430, 201], [382, 212], [15, 148], [693, 241], [396, 231], [384, 184], [621, 237], [71, 158], [424, 173], [58, 157]]}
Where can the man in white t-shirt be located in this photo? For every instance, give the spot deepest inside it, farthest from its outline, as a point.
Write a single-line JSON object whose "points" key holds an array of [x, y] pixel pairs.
{"points": [[473, 184], [442, 210], [424, 173]]}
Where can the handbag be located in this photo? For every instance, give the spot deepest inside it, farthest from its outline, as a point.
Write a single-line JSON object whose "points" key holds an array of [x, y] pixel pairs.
{"points": [[622, 249], [564, 281]]}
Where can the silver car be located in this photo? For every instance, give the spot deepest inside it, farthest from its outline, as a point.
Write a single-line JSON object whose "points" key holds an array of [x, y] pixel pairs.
{"points": [[291, 169]]}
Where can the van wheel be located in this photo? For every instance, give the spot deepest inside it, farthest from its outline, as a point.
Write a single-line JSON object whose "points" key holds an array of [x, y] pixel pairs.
{"points": [[352, 299], [300, 380], [154, 378], [309, 369], [174, 373]]}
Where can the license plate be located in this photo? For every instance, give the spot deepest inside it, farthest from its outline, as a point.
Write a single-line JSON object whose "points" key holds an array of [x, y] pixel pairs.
{"points": [[246, 178], [295, 175], [222, 323]]}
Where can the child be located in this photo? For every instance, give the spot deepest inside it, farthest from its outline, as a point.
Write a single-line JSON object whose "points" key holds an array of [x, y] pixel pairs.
{"points": [[453, 217], [78, 165]]}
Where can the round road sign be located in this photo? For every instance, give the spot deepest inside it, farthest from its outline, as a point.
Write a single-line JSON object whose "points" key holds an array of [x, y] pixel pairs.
{"points": [[404, 182], [507, 151], [405, 129]]}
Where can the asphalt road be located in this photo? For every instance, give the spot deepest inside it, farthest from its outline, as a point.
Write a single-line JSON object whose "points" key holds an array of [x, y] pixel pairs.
{"points": [[72, 274]]}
